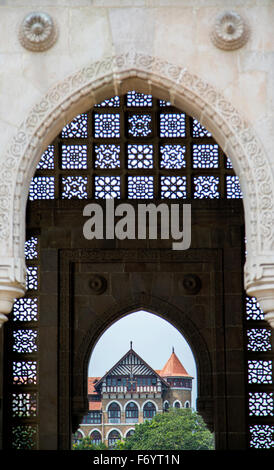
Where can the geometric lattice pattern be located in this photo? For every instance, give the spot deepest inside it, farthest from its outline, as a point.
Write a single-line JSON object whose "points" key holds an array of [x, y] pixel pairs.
{"points": [[139, 125], [261, 436], [261, 404], [134, 146], [260, 372], [23, 373], [24, 405], [140, 187], [107, 156], [74, 187], [47, 160], [31, 251], [25, 341], [25, 309], [24, 437], [74, 157], [205, 156], [77, 128], [233, 189], [206, 187], [259, 362], [173, 187], [253, 309], [173, 156], [140, 156], [259, 339]]}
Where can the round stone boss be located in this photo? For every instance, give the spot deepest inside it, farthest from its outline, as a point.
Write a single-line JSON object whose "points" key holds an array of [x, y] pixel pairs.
{"points": [[38, 31], [229, 31]]}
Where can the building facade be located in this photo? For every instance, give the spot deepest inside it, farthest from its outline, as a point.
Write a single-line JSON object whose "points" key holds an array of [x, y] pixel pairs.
{"points": [[130, 393]]}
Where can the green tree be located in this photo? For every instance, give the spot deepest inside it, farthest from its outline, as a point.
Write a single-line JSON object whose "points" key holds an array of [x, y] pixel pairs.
{"points": [[178, 429], [87, 444]]}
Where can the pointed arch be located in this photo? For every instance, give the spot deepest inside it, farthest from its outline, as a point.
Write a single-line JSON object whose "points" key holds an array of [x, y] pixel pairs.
{"points": [[116, 75]]}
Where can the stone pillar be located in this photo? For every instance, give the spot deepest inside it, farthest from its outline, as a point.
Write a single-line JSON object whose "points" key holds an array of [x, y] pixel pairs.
{"points": [[9, 291], [259, 283], [12, 284]]}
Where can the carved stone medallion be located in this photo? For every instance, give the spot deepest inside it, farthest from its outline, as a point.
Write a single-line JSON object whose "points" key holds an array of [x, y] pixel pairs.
{"points": [[38, 32], [229, 31], [98, 284]]}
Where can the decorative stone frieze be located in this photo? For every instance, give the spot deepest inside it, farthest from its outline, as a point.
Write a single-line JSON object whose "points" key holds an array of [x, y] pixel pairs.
{"points": [[230, 31], [38, 32]]}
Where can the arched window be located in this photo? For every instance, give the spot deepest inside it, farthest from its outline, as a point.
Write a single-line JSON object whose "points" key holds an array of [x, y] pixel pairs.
{"points": [[77, 437], [113, 437], [166, 406], [149, 410], [114, 413], [95, 437], [177, 404], [187, 404], [130, 433], [132, 413]]}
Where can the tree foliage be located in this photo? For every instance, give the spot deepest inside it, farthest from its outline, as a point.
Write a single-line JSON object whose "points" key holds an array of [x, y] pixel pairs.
{"points": [[177, 429], [86, 444]]}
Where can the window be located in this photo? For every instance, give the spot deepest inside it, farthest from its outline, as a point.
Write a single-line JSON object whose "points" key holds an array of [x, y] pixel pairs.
{"points": [[77, 437], [113, 437], [93, 417], [166, 406], [95, 437], [149, 410], [114, 413], [177, 404], [132, 413]]}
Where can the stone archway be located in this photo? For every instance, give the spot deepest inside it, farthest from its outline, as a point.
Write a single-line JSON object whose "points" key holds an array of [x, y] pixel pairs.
{"points": [[115, 75], [169, 312]]}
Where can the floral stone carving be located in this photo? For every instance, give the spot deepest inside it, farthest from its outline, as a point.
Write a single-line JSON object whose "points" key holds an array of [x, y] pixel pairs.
{"points": [[38, 32], [229, 31]]}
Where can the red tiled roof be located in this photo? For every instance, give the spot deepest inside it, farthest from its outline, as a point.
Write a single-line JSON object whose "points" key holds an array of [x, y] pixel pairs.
{"points": [[95, 405], [91, 383], [173, 368]]}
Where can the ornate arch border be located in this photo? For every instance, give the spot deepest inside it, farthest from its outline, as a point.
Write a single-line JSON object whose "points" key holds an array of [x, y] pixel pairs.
{"points": [[115, 75]]}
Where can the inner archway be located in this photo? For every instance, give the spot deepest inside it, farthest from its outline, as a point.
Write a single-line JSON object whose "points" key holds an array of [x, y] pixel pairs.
{"points": [[152, 337], [132, 390]]}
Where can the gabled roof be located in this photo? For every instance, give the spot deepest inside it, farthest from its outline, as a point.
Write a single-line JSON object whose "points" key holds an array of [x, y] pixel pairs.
{"points": [[174, 368], [131, 362]]}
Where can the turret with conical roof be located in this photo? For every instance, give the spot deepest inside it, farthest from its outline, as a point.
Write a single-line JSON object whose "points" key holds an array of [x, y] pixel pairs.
{"points": [[174, 367], [180, 383]]}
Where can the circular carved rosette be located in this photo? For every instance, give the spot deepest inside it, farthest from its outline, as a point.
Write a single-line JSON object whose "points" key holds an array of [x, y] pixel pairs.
{"points": [[38, 32], [229, 31], [191, 284], [98, 284]]}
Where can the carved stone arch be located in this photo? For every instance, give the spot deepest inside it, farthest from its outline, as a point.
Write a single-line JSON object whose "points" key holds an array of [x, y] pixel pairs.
{"points": [[179, 319], [115, 75]]}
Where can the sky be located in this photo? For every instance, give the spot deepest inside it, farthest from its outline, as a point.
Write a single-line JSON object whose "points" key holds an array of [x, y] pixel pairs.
{"points": [[152, 338]]}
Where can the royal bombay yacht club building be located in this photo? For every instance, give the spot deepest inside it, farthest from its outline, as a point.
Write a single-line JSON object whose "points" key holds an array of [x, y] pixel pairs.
{"points": [[132, 392]]}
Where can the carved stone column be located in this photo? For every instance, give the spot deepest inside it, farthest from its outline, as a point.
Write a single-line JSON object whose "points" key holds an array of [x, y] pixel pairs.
{"points": [[259, 283], [12, 284]]}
